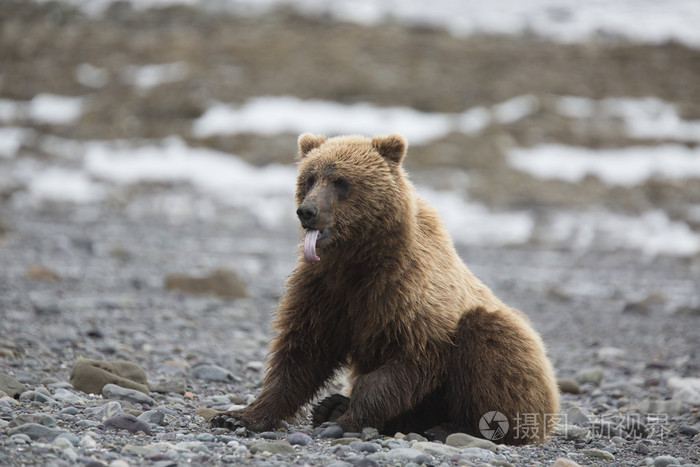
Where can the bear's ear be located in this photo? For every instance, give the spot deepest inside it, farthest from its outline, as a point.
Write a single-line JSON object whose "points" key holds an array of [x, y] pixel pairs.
{"points": [[307, 142], [392, 147]]}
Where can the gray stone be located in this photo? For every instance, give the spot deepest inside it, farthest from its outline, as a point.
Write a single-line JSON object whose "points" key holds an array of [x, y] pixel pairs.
{"points": [[66, 395], [404, 454], [364, 446], [686, 390], [590, 375], [175, 386], [569, 386], [113, 391], [128, 422], [416, 437], [577, 416], [38, 418], [671, 407], [435, 449], [70, 437], [477, 453], [36, 432], [206, 437], [11, 386], [610, 355], [369, 434], [155, 417], [688, 430], [333, 431], [222, 282], [572, 433], [463, 440], [212, 373], [36, 396], [105, 411], [273, 447], [663, 461], [299, 439], [598, 454], [90, 376]]}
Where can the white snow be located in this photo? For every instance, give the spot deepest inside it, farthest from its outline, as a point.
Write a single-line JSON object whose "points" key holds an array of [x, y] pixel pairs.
{"points": [[274, 115], [149, 76], [266, 194], [652, 233], [91, 76], [626, 166], [11, 139], [474, 224], [646, 21], [58, 184], [643, 118], [55, 110]]}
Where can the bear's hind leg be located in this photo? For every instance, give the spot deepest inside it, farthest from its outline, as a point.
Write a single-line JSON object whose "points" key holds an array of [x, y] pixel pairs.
{"points": [[499, 366]]}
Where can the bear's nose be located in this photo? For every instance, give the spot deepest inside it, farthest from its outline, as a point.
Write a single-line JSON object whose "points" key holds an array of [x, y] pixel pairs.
{"points": [[307, 213]]}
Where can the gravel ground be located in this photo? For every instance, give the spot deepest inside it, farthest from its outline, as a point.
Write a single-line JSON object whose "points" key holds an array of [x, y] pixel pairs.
{"points": [[89, 280]]}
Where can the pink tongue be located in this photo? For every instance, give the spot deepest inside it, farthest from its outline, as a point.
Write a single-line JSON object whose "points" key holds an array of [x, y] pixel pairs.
{"points": [[310, 246]]}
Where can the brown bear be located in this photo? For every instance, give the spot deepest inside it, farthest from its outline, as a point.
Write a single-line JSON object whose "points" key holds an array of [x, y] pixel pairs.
{"points": [[382, 292]]}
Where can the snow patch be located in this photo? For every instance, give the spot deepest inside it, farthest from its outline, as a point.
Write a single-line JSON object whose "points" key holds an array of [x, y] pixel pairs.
{"points": [[626, 166]]}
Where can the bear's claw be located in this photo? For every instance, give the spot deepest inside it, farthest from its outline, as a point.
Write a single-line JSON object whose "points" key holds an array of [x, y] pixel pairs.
{"points": [[227, 420], [329, 409]]}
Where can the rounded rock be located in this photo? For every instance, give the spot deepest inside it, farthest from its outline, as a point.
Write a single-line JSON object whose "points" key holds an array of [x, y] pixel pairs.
{"points": [[299, 439], [663, 461]]}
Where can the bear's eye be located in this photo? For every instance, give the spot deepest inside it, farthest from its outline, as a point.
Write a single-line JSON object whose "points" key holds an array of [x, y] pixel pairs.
{"points": [[310, 180], [342, 187]]}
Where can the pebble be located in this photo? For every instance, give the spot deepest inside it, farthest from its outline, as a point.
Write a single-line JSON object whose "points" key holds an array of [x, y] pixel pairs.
{"points": [[569, 386], [598, 454], [577, 416], [39, 418], [36, 396], [273, 447], [592, 376], [333, 431], [212, 373], [688, 430], [663, 461], [364, 446], [404, 454], [105, 411], [435, 449], [563, 462], [65, 395], [686, 390], [477, 453], [299, 439], [113, 391], [11, 386], [36, 432], [90, 376], [152, 417], [463, 440], [128, 422], [670, 407]]}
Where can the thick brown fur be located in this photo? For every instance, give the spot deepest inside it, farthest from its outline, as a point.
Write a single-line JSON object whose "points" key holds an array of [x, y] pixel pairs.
{"points": [[425, 341]]}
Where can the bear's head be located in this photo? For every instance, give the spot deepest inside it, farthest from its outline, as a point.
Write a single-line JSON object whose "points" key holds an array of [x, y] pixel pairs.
{"points": [[350, 189]]}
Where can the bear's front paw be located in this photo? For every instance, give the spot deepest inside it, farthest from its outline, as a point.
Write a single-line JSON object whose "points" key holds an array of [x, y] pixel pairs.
{"points": [[330, 409], [232, 420]]}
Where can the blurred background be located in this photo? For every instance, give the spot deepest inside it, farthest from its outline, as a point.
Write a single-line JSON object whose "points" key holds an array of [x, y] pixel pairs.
{"points": [[550, 123], [559, 139]]}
